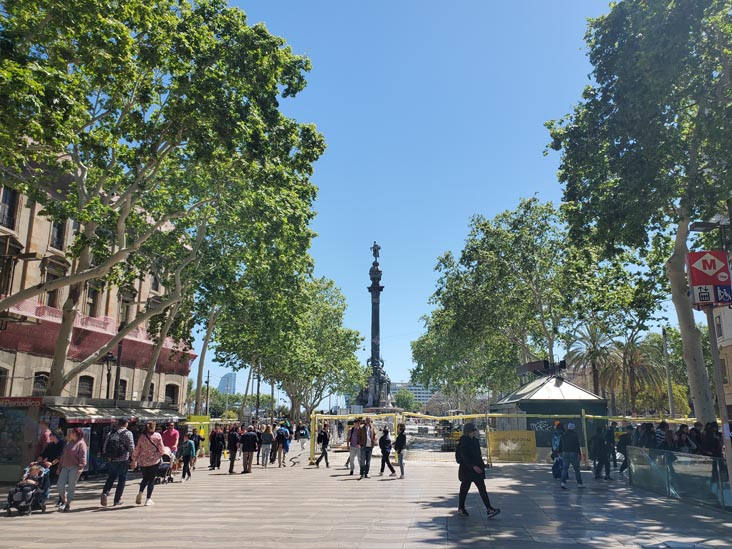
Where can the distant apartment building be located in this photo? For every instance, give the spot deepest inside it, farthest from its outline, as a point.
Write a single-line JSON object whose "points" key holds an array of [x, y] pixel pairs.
{"points": [[421, 393], [32, 251], [227, 385]]}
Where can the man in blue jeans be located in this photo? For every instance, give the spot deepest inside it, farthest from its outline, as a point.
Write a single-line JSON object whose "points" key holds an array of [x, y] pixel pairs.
{"points": [[569, 447], [117, 448]]}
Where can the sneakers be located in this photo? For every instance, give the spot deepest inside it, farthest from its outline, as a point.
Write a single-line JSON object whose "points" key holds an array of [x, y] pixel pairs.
{"points": [[138, 499], [118, 503], [149, 502], [608, 478], [463, 513], [66, 508], [351, 473], [393, 474], [493, 512], [317, 465], [580, 485], [401, 476], [381, 474], [104, 500], [563, 485]]}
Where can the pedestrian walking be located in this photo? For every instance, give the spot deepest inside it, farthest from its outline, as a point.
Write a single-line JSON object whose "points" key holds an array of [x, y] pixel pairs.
{"points": [[117, 449], [600, 453], [366, 441], [196, 439], [283, 444], [354, 449], [72, 464], [472, 470], [323, 440], [624, 441], [385, 447], [400, 446], [267, 440], [248, 449], [171, 437], [569, 447], [187, 453], [216, 444], [232, 445], [302, 434], [148, 455]]}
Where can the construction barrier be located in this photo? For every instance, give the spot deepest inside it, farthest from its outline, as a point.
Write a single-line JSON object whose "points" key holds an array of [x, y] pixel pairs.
{"points": [[506, 437]]}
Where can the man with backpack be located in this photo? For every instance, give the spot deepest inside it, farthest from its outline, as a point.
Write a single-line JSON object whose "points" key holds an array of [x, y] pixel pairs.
{"points": [[117, 449], [283, 443]]}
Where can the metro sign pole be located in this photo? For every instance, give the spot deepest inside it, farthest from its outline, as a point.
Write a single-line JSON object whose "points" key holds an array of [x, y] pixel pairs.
{"points": [[709, 281]]}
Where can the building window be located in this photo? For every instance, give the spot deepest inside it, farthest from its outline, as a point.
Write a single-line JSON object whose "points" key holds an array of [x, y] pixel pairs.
{"points": [[40, 383], [92, 302], [3, 381], [725, 373], [122, 390], [8, 207], [171, 394], [151, 392], [58, 234], [52, 296], [718, 326], [86, 387], [155, 284]]}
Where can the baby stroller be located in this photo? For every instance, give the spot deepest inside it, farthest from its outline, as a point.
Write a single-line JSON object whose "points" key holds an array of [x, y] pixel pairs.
{"points": [[165, 470], [29, 494]]}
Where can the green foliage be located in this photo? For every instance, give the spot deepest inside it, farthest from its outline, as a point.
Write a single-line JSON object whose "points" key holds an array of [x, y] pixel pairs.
{"points": [[404, 399]]}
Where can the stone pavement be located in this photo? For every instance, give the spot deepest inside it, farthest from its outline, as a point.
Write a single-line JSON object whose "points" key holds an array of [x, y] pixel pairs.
{"points": [[306, 507]]}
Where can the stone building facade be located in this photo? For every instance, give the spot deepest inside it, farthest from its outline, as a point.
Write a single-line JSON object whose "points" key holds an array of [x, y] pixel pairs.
{"points": [[33, 251]]}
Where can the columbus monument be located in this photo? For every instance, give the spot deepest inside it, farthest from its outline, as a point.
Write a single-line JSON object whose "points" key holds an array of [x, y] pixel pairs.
{"points": [[377, 394]]}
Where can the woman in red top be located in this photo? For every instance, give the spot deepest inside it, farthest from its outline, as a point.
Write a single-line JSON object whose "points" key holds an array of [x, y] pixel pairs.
{"points": [[147, 455]]}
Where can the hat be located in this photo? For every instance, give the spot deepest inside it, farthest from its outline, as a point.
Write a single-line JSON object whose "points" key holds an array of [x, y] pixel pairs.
{"points": [[469, 428], [570, 425]]}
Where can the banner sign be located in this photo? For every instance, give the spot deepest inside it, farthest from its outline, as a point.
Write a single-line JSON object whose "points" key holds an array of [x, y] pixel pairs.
{"points": [[710, 282], [517, 446]]}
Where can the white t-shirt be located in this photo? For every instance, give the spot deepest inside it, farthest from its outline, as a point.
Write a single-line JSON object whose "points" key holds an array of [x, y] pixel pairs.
{"points": [[369, 440]]}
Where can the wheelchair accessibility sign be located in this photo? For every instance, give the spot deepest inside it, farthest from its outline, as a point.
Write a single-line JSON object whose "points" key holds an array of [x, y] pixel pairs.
{"points": [[709, 277]]}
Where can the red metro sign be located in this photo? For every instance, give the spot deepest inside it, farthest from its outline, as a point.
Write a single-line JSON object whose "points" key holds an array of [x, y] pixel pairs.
{"points": [[710, 281]]}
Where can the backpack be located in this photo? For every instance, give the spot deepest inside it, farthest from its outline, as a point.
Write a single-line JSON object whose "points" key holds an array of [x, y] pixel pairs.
{"points": [[281, 435], [115, 448]]}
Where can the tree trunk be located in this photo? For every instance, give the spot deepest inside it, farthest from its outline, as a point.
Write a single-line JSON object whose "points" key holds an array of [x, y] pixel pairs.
{"points": [[56, 379], [158, 349], [631, 383], [210, 324], [613, 404], [246, 392], [595, 378], [699, 384]]}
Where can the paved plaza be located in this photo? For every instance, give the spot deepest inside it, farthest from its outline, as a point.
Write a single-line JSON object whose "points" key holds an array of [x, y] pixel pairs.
{"points": [[307, 507]]}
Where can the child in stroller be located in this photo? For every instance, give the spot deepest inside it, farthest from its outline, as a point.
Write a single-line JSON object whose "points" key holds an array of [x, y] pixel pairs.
{"points": [[165, 471], [29, 494]]}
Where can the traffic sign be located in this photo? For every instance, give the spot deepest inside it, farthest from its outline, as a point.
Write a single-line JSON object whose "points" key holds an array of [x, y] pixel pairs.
{"points": [[709, 277]]}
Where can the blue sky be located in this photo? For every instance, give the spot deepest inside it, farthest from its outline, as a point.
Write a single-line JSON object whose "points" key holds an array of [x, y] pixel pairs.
{"points": [[433, 112]]}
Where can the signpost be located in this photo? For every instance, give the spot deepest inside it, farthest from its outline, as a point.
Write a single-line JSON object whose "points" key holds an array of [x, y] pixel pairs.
{"points": [[710, 285]]}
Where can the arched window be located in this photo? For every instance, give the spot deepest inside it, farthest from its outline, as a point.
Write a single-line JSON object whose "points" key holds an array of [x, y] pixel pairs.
{"points": [[171, 394], [40, 382], [86, 387], [151, 392], [122, 391], [3, 381]]}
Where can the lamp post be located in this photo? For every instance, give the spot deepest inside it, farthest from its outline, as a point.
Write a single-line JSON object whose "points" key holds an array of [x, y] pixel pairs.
{"points": [[716, 363], [108, 361], [119, 362]]}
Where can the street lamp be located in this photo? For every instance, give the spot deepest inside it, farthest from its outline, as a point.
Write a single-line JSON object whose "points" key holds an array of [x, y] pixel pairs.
{"points": [[108, 361]]}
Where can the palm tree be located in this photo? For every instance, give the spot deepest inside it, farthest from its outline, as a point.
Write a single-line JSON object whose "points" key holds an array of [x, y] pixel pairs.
{"points": [[642, 362], [592, 346]]}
